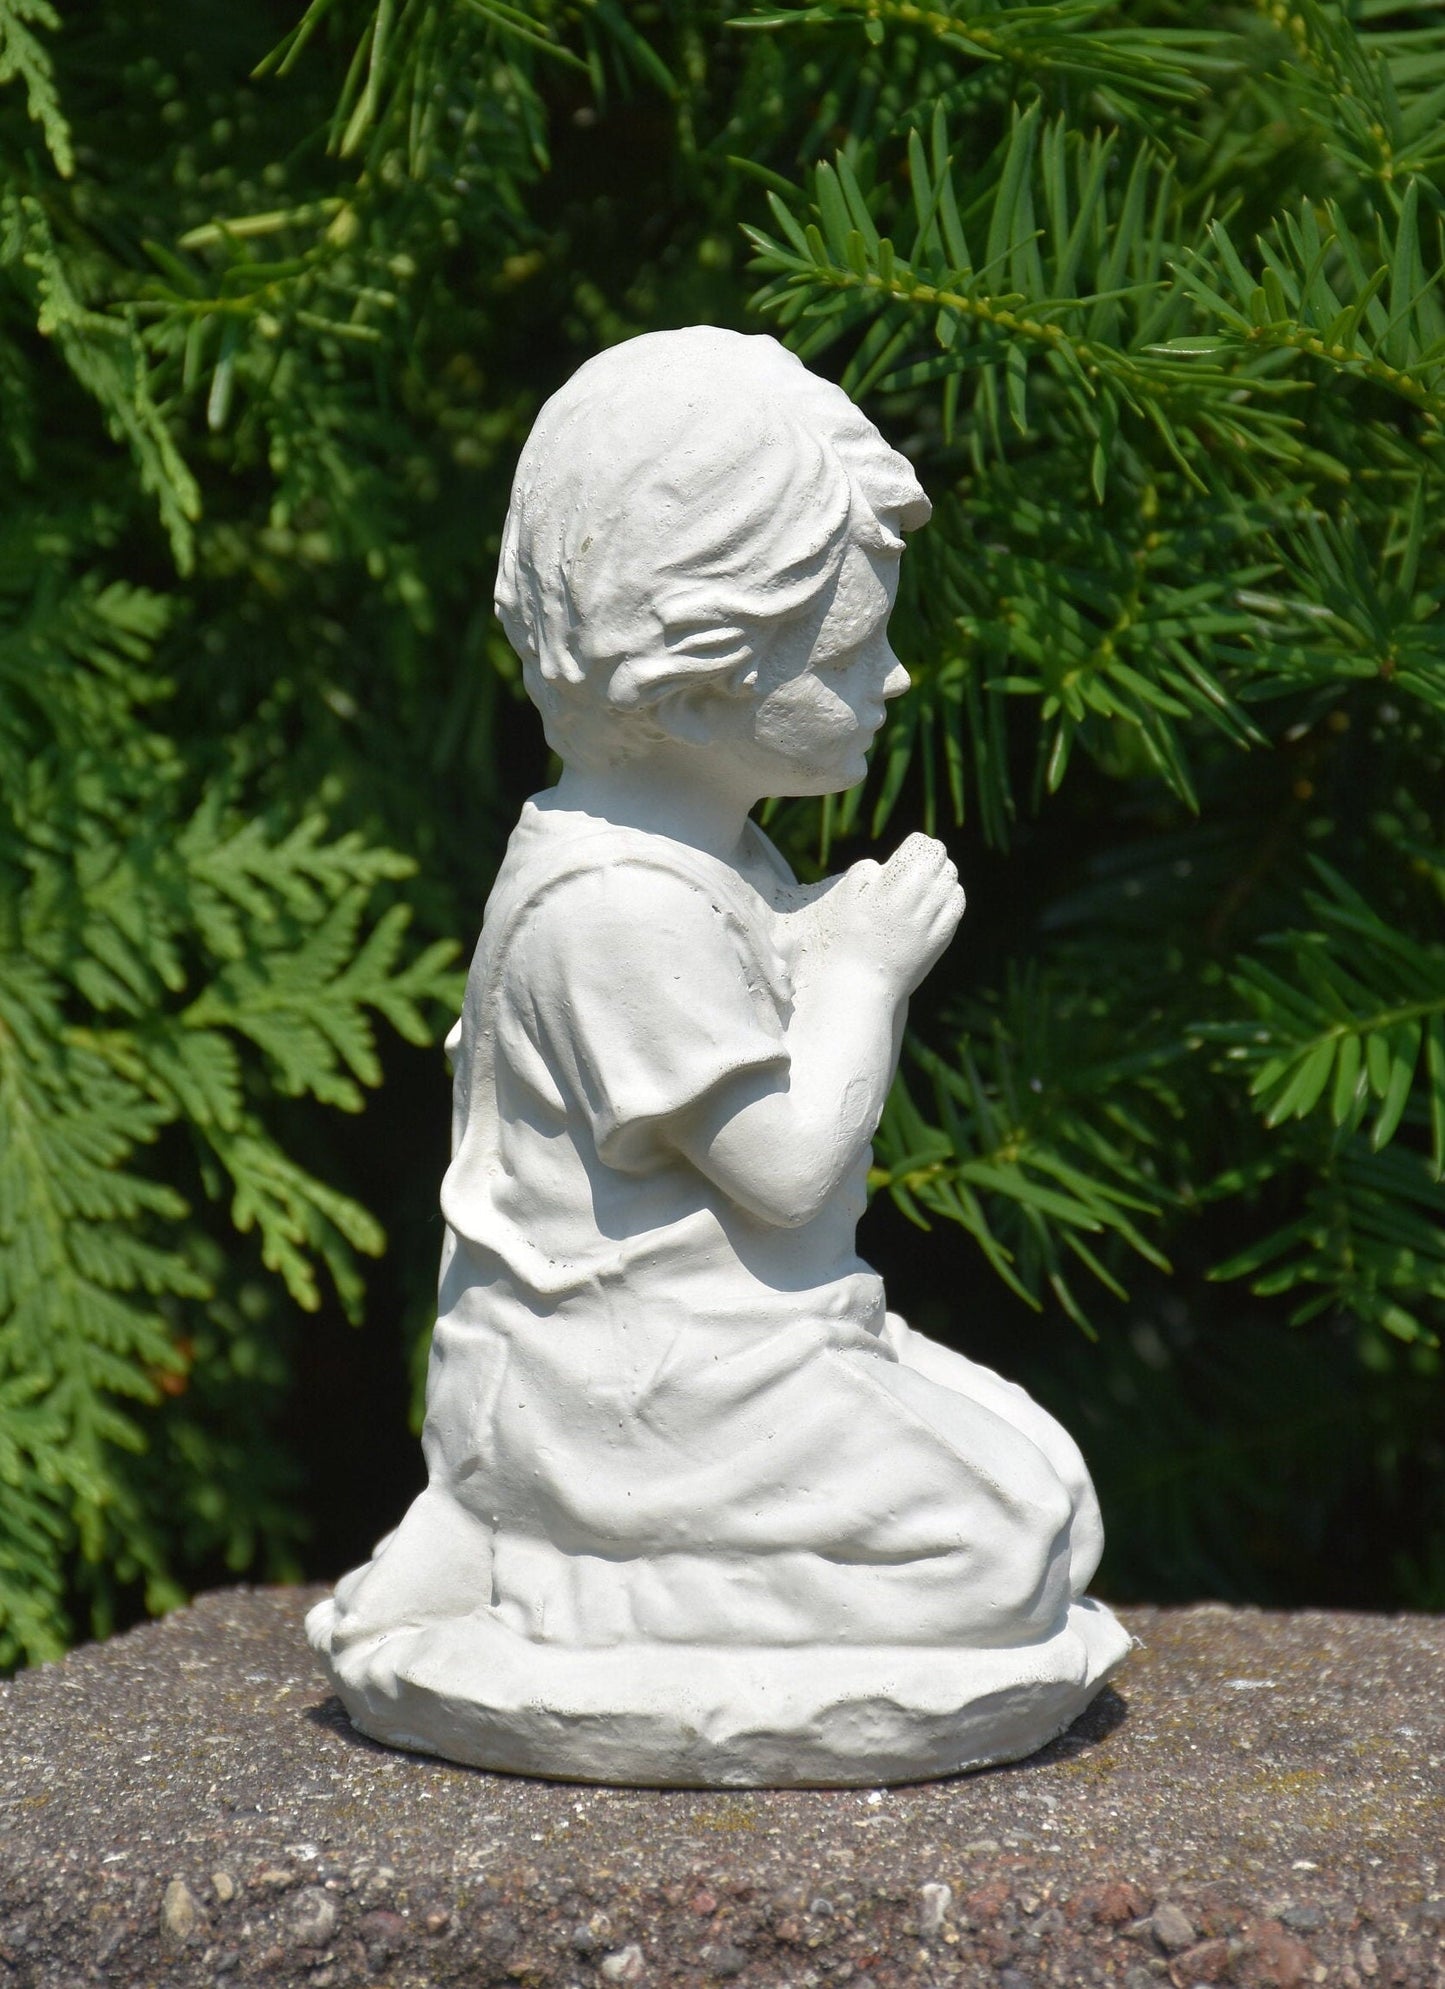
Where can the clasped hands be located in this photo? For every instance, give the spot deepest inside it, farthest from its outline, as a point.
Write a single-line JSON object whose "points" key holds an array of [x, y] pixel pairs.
{"points": [[891, 920]]}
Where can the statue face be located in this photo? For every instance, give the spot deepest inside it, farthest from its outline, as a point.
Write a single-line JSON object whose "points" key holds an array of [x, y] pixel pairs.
{"points": [[824, 682]]}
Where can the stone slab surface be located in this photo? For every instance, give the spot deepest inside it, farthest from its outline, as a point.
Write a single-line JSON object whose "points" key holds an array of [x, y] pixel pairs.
{"points": [[1261, 1801]]}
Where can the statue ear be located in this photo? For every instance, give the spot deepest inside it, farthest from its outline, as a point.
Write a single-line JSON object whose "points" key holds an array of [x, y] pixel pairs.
{"points": [[681, 652], [688, 709], [681, 685]]}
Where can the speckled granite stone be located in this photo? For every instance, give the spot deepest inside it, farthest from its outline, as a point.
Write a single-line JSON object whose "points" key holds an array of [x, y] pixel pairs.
{"points": [[1260, 1802]]}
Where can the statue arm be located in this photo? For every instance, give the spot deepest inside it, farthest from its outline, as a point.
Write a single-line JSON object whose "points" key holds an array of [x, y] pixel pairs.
{"points": [[780, 1144]]}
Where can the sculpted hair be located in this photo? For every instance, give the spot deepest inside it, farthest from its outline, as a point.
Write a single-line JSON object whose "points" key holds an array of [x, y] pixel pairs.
{"points": [[683, 493]]}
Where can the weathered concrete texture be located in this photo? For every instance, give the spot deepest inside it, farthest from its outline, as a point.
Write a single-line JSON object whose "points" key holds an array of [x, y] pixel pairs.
{"points": [[1262, 1802]]}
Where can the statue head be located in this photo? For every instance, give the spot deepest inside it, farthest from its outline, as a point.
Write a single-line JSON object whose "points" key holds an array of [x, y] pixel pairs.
{"points": [[684, 499]]}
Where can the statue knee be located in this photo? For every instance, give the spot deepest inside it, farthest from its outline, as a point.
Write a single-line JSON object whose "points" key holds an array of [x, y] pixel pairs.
{"points": [[1030, 1576]]}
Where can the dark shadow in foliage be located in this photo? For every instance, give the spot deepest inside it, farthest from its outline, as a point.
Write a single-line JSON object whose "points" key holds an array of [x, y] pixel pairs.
{"points": [[1236, 1457]]}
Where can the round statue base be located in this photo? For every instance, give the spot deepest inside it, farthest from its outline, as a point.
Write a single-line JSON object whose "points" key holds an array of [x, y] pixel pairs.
{"points": [[680, 1716]]}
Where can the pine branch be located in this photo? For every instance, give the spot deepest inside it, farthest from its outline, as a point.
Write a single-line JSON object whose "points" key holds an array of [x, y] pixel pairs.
{"points": [[1039, 41], [1317, 296], [159, 965], [1374, 96], [1040, 1155], [304, 1006], [1371, 1241], [84, 1299], [1021, 304], [1354, 1024], [24, 60], [1357, 612], [301, 1221], [32, 1534], [105, 356]]}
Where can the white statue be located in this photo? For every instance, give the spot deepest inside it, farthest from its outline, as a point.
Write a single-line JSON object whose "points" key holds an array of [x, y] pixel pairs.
{"points": [[700, 1510]]}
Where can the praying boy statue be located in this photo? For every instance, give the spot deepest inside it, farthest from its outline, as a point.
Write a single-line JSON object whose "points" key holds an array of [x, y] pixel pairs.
{"points": [[701, 1510]]}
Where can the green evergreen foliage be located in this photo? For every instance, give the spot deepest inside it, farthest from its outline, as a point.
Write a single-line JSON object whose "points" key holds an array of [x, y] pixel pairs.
{"points": [[1153, 297], [1193, 449], [1177, 374], [173, 962]]}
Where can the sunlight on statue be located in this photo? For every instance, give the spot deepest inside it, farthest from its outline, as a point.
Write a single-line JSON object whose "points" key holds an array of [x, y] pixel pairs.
{"points": [[701, 1510]]}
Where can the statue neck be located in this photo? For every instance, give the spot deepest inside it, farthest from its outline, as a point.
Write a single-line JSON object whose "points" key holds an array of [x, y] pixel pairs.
{"points": [[662, 794]]}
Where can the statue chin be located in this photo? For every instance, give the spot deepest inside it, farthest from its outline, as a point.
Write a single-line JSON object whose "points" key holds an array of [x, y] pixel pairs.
{"points": [[700, 1511]]}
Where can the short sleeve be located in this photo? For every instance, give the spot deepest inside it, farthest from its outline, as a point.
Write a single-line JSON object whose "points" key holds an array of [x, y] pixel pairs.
{"points": [[643, 992]]}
